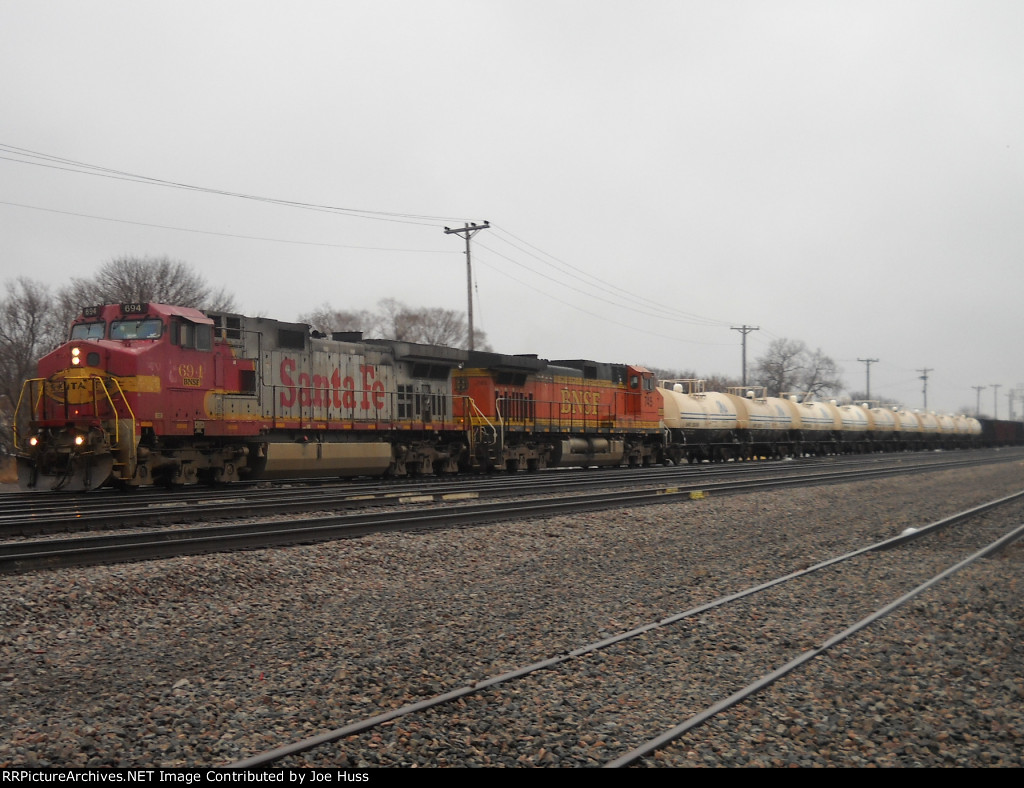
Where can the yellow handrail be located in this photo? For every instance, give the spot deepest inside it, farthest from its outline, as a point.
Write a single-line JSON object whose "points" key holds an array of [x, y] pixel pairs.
{"points": [[30, 383]]}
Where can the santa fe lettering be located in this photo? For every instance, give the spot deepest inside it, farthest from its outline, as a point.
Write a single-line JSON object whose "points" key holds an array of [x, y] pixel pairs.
{"points": [[323, 391]]}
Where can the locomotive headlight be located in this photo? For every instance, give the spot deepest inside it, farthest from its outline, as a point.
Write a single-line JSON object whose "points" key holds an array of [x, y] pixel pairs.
{"points": [[75, 356]]}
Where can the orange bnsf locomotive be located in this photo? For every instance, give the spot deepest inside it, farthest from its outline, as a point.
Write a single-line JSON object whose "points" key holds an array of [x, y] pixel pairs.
{"points": [[150, 393]]}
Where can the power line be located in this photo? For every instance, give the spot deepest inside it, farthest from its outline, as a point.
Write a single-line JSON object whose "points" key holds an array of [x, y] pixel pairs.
{"points": [[82, 168], [602, 317], [222, 235], [600, 284], [622, 298]]}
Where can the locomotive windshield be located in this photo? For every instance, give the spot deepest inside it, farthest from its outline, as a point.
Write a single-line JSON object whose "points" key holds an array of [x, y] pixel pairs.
{"points": [[149, 328], [89, 330]]}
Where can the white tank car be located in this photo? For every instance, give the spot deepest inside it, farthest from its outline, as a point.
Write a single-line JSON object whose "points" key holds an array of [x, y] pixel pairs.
{"points": [[910, 428], [766, 417], [717, 425], [967, 427], [765, 425], [946, 429], [929, 427], [815, 424], [856, 423], [695, 412], [885, 426]]}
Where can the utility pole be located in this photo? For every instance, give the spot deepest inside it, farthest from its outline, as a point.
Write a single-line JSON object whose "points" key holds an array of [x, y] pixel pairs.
{"points": [[977, 399], [744, 330], [924, 376], [995, 398], [868, 362], [467, 231]]}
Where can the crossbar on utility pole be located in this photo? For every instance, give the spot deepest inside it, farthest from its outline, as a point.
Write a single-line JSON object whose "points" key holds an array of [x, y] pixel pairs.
{"points": [[744, 330], [467, 231]]}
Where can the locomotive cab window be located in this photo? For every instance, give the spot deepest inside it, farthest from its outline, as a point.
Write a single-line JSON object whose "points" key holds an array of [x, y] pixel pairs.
{"points": [[89, 330], [192, 336], [147, 328]]}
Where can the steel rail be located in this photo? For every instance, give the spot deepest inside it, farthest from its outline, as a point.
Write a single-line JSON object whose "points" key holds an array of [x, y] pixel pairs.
{"points": [[770, 678], [272, 756], [19, 557], [114, 512]]}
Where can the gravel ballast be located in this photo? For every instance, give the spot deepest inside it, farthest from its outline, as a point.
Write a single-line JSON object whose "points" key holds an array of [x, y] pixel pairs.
{"points": [[204, 660]]}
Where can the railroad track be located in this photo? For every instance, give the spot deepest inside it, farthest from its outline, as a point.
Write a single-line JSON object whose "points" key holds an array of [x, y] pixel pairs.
{"points": [[31, 555], [36, 514], [673, 658]]}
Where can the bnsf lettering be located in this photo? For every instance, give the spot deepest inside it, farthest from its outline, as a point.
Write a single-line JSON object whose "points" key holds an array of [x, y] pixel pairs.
{"points": [[324, 391], [190, 374], [580, 402]]}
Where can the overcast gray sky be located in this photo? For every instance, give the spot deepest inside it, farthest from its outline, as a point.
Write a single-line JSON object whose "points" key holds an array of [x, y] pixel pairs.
{"points": [[656, 172]]}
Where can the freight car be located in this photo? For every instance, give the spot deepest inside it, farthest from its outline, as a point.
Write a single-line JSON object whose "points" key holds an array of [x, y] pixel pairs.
{"points": [[996, 432], [149, 393], [741, 423]]}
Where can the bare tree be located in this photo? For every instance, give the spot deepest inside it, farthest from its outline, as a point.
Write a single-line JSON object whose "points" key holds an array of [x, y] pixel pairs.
{"points": [[672, 374], [159, 279], [327, 319], [789, 366], [29, 328], [395, 320], [778, 370], [820, 375], [720, 382], [442, 327]]}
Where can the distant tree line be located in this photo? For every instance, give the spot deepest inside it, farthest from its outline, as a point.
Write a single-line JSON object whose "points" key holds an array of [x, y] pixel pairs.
{"points": [[394, 320], [787, 367]]}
